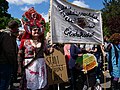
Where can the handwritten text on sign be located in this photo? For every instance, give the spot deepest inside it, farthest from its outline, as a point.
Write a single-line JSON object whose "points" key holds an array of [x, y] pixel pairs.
{"points": [[56, 66]]}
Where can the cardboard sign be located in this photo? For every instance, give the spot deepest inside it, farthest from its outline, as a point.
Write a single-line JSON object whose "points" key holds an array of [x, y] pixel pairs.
{"points": [[56, 68]]}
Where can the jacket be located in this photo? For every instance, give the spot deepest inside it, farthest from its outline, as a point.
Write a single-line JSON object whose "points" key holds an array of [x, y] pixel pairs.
{"points": [[8, 49], [74, 51]]}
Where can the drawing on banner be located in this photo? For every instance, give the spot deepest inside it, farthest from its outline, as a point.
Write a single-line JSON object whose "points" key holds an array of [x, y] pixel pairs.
{"points": [[73, 24]]}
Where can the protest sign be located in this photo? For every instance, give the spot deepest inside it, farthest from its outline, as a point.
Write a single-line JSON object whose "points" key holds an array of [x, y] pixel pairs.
{"points": [[72, 24], [87, 62], [56, 67]]}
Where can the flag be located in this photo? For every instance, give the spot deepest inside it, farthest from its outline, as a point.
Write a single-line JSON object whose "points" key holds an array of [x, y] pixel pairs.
{"points": [[72, 24]]}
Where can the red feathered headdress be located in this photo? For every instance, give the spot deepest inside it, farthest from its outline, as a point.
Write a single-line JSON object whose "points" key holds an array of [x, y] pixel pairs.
{"points": [[32, 19]]}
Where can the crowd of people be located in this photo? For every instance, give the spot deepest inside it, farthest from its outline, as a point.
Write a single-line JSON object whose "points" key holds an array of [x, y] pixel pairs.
{"points": [[23, 54], [108, 52]]}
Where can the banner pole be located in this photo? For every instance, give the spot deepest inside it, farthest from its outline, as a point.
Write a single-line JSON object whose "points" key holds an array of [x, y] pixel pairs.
{"points": [[58, 86], [51, 43], [104, 67], [104, 74]]}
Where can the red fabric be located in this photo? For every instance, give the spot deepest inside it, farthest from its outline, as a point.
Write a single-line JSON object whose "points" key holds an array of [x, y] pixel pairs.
{"points": [[21, 44], [32, 19], [26, 35], [67, 58], [29, 49]]}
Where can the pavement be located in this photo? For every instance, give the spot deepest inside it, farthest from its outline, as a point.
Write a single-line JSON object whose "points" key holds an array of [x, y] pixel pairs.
{"points": [[105, 83]]}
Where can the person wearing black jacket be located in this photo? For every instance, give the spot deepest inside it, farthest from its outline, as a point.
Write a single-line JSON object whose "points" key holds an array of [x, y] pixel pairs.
{"points": [[8, 54]]}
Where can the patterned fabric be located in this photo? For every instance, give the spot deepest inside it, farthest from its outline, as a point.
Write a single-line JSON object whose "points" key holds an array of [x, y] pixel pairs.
{"points": [[36, 75], [30, 20], [28, 48]]}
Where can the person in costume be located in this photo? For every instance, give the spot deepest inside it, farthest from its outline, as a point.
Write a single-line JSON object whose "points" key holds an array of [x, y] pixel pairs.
{"points": [[33, 45]]}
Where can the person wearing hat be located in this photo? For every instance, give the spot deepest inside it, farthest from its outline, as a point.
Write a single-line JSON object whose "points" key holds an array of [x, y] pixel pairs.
{"points": [[8, 54], [31, 52]]}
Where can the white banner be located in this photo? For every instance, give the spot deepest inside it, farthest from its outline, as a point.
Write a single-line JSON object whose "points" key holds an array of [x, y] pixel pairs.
{"points": [[72, 24]]}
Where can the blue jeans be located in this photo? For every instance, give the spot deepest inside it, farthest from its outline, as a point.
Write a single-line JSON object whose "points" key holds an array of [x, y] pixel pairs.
{"points": [[6, 71]]}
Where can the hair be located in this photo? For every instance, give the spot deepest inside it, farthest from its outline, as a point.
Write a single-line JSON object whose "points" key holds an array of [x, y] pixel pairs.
{"points": [[12, 24], [115, 37]]}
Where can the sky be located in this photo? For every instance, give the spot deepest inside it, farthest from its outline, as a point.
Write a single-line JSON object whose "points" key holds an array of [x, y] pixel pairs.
{"points": [[18, 7]]}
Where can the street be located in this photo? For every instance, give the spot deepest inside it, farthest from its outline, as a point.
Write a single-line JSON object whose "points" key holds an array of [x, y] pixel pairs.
{"points": [[105, 84]]}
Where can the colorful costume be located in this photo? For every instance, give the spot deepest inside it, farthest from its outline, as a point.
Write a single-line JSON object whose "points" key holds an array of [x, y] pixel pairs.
{"points": [[32, 19], [35, 73]]}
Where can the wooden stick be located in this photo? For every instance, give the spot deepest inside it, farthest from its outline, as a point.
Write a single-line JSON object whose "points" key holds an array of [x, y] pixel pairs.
{"points": [[104, 66]]}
